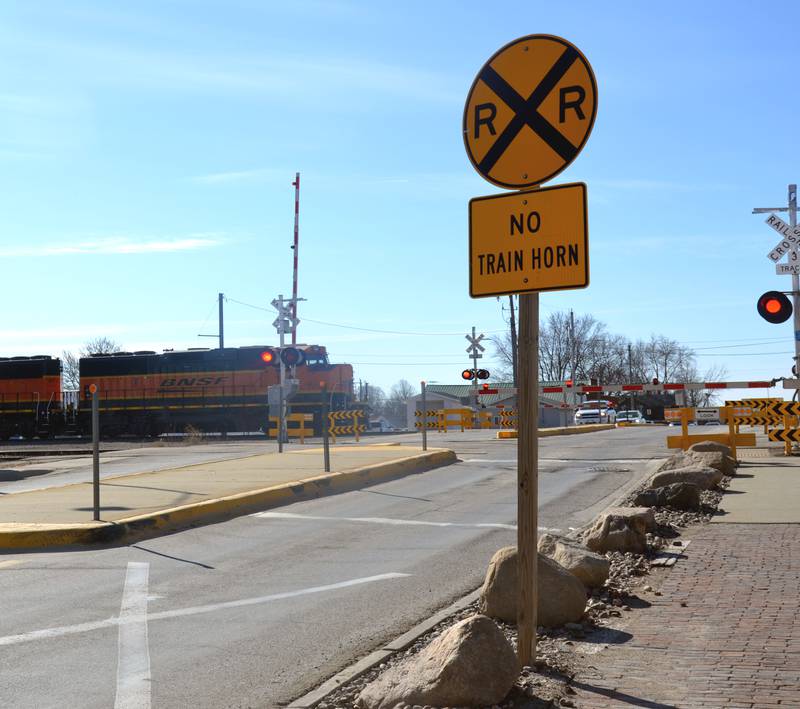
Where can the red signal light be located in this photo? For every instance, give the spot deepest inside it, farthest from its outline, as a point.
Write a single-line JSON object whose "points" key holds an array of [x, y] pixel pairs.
{"points": [[774, 307], [268, 357], [468, 374], [485, 386]]}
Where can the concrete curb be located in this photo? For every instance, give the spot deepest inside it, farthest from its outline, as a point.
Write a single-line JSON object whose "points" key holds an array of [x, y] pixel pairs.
{"points": [[563, 430], [32, 536], [377, 656]]}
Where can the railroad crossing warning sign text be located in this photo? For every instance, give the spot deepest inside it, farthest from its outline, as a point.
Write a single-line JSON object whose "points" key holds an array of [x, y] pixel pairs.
{"points": [[529, 241]]}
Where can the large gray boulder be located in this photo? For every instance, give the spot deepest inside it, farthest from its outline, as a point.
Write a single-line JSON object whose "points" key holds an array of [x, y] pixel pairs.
{"points": [[469, 664], [679, 496], [620, 529], [705, 478], [717, 460], [644, 514], [676, 461], [710, 447], [589, 568], [561, 596]]}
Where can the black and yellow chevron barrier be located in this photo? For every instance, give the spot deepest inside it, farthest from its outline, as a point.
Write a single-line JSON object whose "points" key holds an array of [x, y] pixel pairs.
{"points": [[295, 426], [786, 435], [508, 418], [353, 428]]}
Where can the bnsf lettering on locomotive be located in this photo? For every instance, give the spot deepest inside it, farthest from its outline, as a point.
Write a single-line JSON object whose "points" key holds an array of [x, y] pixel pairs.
{"points": [[192, 381]]}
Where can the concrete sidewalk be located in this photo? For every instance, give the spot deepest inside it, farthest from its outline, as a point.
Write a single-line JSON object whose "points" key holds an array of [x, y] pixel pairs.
{"points": [[725, 631], [150, 503]]}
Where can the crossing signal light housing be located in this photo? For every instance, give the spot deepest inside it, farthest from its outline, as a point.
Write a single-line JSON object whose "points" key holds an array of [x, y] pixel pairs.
{"points": [[268, 356], [483, 374], [468, 374], [774, 307], [292, 357]]}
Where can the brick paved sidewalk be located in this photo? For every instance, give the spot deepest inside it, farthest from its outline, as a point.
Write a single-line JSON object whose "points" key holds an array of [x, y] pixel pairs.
{"points": [[735, 643]]}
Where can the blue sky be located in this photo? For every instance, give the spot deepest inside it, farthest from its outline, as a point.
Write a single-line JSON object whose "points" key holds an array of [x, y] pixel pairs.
{"points": [[148, 150]]}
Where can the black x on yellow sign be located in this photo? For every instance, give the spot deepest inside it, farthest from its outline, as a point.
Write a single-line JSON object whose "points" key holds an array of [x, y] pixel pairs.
{"points": [[530, 111]]}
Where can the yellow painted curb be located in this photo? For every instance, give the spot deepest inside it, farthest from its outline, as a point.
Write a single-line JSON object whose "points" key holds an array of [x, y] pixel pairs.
{"points": [[28, 536], [563, 430]]}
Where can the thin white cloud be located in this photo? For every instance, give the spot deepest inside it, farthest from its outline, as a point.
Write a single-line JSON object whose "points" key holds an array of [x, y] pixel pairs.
{"points": [[661, 185], [215, 178], [115, 246], [301, 77]]}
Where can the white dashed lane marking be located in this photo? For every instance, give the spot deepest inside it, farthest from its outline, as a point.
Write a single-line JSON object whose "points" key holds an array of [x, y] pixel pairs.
{"points": [[395, 522], [133, 668]]}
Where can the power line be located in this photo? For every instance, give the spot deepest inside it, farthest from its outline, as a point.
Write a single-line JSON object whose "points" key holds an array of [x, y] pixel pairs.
{"points": [[749, 344], [365, 329], [743, 354]]}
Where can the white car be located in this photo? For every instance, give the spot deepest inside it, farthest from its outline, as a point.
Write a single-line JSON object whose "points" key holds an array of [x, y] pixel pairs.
{"points": [[630, 416], [600, 411]]}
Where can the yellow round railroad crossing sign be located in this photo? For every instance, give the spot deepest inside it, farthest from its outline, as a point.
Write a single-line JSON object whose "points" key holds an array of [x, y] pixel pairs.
{"points": [[530, 111]]}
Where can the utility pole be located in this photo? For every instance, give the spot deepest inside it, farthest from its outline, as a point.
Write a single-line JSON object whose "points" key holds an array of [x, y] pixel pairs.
{"points": [[220, 331], [792, 209], [295, 248], [630, 378], [221, 328], [572, 353]]}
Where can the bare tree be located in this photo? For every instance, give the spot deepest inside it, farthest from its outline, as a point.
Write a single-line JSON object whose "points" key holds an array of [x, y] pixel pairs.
{"points": [[376, 400], [395, 406], [100, 345], [70, 374], [503, 352]]}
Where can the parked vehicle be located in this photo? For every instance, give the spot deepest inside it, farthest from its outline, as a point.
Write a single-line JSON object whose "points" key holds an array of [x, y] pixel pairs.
{"points": [[599, 411], [630, 416]]}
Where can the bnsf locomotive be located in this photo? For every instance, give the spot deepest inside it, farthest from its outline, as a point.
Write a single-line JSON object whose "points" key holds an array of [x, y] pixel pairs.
{"points": [[146, 394]]}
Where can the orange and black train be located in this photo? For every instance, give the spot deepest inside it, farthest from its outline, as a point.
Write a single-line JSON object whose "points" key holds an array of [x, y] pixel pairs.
{"points": [[146, 394]]}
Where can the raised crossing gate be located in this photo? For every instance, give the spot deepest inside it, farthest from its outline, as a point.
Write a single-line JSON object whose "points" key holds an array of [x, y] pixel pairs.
{"points": [[338, 426], [295, 426]]}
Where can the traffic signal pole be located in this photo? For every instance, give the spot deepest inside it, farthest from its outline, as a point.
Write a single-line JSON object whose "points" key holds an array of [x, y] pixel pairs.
{"points": [[792, 209]]}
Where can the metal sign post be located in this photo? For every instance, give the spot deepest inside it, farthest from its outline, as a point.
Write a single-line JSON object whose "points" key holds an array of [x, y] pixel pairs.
{"points": [[424, 419], [326, 445], [285, 322], [95, 452], [528, 114], [474, 351], [789, 245]]}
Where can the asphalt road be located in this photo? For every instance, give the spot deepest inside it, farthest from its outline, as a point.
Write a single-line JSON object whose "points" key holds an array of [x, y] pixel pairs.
{"points": [[256, 611]]}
